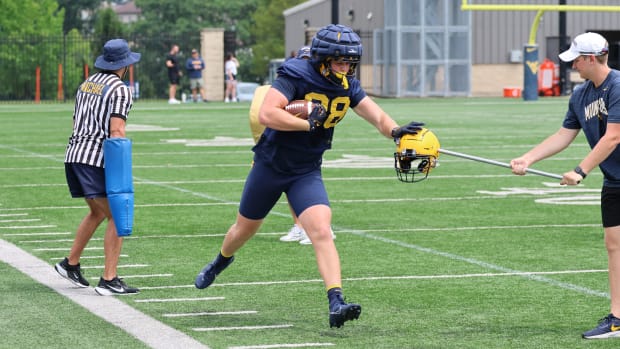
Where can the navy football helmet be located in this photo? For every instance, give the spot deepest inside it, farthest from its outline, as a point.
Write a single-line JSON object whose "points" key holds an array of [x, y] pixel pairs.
{"points": [[336, 42]]}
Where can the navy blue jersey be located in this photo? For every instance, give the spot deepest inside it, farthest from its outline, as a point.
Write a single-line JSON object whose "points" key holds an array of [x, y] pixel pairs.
{"points": [[591, 108], [301, 151]]}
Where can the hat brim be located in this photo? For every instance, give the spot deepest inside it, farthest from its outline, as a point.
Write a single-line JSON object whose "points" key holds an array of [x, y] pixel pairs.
{"points": [[569, 55], [101, 63]]}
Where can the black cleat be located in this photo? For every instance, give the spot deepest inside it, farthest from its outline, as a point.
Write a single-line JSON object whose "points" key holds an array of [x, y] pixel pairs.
{"points": [[210, 271], [342, 312]]}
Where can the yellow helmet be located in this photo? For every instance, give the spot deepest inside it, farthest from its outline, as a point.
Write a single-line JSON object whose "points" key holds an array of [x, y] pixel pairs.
{"points": [[416, 154]]}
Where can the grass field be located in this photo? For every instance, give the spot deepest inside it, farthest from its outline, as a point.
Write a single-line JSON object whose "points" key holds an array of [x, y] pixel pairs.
{"points": [[472, 257]]}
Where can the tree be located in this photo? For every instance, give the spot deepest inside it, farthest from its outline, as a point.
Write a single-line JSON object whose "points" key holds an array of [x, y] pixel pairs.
{"points": [[107, 26], [22, 25], [177, 18], [30, 17], [168, 22], [73, 14], [269, 33]]}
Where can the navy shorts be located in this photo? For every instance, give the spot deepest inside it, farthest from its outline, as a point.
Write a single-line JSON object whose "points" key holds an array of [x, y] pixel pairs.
{"points": [[85, 181], [610, 206], [264, 187]]}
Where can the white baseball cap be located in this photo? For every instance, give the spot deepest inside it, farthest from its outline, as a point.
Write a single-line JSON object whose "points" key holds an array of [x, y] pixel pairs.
{"points": [[585, 44]]}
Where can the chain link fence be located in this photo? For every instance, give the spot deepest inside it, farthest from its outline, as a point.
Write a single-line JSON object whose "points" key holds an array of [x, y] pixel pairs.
{"points": [[38, 68]]}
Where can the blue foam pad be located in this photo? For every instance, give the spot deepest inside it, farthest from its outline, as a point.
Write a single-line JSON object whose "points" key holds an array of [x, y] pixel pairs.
{"points": [[117, 157], [119, 183], [121, 206]]}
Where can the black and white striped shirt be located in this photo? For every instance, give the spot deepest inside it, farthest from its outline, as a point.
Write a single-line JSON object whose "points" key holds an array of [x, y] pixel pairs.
{"points": [[100, 96]]}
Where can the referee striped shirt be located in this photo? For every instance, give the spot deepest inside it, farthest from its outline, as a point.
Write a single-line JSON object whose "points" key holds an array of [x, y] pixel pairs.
{"points": [[100, 96]]}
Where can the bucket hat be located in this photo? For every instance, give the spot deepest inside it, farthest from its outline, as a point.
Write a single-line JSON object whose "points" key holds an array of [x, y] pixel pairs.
{"points": [[116, 55]]}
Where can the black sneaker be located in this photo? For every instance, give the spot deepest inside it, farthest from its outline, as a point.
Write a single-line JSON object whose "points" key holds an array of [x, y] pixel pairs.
{"points": [[340, 312], [115, 286], [72, 273]]}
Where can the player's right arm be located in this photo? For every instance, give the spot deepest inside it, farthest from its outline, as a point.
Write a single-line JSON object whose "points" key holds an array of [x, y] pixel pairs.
{"points": [[550, 146], [273, 115]]}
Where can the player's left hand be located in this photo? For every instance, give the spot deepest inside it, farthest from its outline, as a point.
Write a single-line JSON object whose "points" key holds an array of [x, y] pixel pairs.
{"points": [[571, 178], [317, 117], [411, 128]]}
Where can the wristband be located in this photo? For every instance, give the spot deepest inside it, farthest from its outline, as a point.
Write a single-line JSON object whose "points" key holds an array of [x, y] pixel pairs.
{"points": [[580, 172]]}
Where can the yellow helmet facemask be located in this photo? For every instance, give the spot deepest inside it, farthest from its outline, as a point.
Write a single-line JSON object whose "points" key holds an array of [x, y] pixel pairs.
{"points": [[337, 77]]}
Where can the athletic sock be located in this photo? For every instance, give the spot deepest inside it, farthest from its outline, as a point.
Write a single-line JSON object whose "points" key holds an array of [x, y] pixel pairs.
{"points": [[334, 295], [220, 261]]}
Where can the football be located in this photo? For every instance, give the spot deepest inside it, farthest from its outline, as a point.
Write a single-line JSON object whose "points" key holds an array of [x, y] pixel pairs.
{"points": [[300, 108]]}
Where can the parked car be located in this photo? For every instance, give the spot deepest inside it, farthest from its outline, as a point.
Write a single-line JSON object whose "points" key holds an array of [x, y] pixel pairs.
{"points": [[245, 91]]}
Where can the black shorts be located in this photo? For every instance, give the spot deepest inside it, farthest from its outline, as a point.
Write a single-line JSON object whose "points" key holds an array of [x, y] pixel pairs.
{"points": [[85, 181], [174, 78], [610, 206]]}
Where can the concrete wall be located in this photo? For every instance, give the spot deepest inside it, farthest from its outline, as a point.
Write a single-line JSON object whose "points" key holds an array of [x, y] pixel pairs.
{"points": [[495, 35], [212, 52], [491, 79]]}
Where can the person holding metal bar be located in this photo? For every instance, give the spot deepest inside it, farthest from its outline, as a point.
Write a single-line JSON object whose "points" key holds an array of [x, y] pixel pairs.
{"points": [[594, 107]]}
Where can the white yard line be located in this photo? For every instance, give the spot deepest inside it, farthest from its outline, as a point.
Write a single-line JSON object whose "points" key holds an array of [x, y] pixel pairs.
{"points": [[66, 249], [19, 220], [28, 227], [236, 328], [141, 276], [165, 300], [151, 332], [13, 214], [211, 313], [278, 346], [86, 257], [120, 266], [38, 234], [527, 274]]}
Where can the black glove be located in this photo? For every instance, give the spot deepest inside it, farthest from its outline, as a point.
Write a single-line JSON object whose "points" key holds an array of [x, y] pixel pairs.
{"points": [[317, 117], [409, 129]]}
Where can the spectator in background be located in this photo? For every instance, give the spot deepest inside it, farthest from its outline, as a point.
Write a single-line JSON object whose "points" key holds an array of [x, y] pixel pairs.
{"points": [[230, 71], [195, 65], [174, 74], [293, 54]]}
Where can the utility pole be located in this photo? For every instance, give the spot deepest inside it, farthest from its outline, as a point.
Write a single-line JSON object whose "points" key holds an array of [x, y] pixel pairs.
{"points": [[335, 15], [564, 83]]}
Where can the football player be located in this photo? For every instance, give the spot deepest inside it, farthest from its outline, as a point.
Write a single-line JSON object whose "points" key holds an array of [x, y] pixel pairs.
{"points": [[288, 155]]}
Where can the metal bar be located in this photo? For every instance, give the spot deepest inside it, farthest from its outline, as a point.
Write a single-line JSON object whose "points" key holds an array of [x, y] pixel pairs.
{"points": [[498, 163], [532, 7]]}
